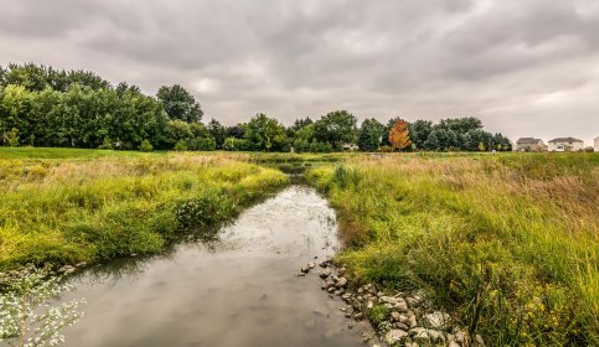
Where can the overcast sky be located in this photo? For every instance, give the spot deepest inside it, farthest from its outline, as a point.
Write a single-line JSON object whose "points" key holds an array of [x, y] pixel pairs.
{"points": [[525, 67]]}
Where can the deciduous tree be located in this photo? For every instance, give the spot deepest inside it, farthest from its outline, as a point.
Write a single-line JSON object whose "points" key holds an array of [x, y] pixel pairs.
{"points": [[179, 104], [399, 135]]}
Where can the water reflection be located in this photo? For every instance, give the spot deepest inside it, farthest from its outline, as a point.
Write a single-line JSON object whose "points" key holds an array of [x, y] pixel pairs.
{"points": [[239, 289]]}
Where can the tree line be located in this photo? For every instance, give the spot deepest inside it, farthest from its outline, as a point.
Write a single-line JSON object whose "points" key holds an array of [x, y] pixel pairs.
{"points": [[43, 106]]}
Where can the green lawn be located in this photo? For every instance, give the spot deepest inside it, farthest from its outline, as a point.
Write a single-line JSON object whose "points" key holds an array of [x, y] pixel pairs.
{"points": [[63, 153]]}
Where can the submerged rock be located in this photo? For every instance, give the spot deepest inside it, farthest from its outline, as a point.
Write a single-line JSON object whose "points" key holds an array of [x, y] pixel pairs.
{"points": [[325, 273]]}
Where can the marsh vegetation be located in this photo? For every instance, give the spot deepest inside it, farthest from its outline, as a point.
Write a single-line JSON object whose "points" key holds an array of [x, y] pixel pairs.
{"points": [[508, 243], [86, 210]]}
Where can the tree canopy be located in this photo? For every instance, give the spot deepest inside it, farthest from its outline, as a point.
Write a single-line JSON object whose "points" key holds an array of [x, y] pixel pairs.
{"points": [[43, 106], [336, 128], [179, 104]]}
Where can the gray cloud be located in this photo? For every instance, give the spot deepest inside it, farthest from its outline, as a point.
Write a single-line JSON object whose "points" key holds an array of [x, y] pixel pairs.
{"points": [[525, 67]]}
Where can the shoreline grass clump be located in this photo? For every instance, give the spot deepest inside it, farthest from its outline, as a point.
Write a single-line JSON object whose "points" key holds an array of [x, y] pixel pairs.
{"points": [[508, 243], [91, 209]]}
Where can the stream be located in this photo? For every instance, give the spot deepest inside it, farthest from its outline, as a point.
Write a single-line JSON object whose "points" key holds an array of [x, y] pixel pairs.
{"points": [[239, 290]]}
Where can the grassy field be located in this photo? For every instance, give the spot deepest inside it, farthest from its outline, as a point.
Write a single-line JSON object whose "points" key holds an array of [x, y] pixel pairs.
{"points": [[89, 205], [508, 243]]}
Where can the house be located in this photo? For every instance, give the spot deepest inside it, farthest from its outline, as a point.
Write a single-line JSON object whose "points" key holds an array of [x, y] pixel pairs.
{"points": [[530, 144], [566, 144], [597, 144]]}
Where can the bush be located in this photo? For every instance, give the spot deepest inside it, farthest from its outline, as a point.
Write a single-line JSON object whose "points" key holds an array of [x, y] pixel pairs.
{"points": [[27, 316], [201, 144], [107, 144], [146, 146], [210, 209], [321, 147], [180, 146], [235, 144], [301, 146], [12, 137]]}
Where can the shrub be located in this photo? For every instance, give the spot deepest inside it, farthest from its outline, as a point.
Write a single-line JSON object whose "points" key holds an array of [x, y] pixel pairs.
{"points": [[201, 144], [180, 146], [235, 144], [107, 144], [210, 209], [146, 146], [12, 137], [26, 318]]}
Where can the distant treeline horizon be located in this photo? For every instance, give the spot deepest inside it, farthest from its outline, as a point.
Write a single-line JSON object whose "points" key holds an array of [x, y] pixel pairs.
{"points": [[46, 107]]}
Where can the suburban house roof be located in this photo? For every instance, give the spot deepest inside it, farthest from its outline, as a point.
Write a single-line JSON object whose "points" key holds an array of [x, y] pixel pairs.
{"points": [[527, 141], [565, 139]]}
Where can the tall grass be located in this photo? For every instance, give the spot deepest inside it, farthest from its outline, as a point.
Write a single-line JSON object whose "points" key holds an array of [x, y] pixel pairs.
{"points": [[84, 209], [508, 243]]}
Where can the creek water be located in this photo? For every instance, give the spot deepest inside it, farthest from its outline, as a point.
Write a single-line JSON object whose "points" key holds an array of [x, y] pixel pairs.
{"points": [[241, 289]]}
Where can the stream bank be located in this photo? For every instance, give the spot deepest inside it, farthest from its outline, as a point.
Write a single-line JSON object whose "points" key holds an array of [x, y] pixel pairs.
{"points": [[236, 290]]}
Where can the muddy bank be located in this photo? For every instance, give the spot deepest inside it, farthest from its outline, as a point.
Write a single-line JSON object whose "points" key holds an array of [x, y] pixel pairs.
{"points": [[237, 290]]}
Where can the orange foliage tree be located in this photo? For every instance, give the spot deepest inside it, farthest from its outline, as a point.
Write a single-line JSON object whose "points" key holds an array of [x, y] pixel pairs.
{"points": [[399, 135]]}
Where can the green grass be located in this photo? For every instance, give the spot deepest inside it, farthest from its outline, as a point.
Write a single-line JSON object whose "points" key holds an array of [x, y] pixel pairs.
{"points": [[96, 206], [64, 153], [507, 243]]}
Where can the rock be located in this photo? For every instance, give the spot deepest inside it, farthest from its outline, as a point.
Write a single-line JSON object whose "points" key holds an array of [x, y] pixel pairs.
{"points": [[461, 337], [311, 265], [339, 292], [350, 326], [396, 303], [453, 344], [82, 264], [301, 274], [69, 271], [305, 270], [395, 336], [66, 268], [401, 326], [341, 282], [412, 322], [133, 255], [436, 320], [346, 297], [419, 334], [321, 311], [436, 336], [412, 302], [370, 305], [395, 316], [324, 264], [479, 340], [325, 273], [358, 316], [423, 335], [341, 271], [348, 315], [403, 318], [331, 290]]}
